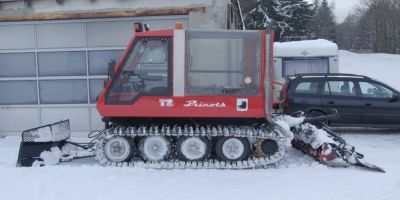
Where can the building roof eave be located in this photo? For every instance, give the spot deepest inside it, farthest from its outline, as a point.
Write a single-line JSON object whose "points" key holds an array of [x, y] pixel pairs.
{"points": [[101, 14]]}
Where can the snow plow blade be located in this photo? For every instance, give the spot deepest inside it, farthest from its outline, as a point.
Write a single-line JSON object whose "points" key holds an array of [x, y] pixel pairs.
{"points": [[41, 146]]}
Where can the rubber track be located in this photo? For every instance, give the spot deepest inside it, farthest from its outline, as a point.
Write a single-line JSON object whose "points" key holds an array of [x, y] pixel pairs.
{"points": [[178, 131]]}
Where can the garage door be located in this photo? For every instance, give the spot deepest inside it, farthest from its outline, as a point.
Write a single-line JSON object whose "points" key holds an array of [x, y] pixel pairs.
{"points": [[54, 70]]}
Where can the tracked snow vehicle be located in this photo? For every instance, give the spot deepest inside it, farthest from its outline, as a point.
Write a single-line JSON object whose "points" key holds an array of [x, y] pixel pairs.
{"points": [[186, 97], [181, 99]]}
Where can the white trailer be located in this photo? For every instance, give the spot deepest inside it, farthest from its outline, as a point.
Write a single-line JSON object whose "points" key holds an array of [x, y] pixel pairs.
{"points": [[307, 56]]}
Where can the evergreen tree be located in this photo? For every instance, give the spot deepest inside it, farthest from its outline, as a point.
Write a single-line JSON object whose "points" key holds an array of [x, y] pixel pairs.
{"points": [[296, 18], [324, 25], [289, 17], [262, 15]]}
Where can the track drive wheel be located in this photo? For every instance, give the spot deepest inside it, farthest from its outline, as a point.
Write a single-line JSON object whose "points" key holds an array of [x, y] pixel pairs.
{"points": [[193, 148], [267, 147], [119, 149], [232, 148], [155, 148]]}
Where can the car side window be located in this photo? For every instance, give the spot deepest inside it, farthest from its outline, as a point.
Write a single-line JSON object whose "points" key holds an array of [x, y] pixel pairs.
{"points": [[307, 87], [339, 88], [374, 90]]}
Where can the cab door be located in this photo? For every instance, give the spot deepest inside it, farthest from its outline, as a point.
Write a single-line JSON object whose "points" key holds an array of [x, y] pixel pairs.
{"points": [[342, 95], [379, 106], [145, 71]]}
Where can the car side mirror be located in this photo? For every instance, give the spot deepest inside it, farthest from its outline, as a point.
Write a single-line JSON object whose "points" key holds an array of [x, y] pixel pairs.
{"points": [[394, 98]]}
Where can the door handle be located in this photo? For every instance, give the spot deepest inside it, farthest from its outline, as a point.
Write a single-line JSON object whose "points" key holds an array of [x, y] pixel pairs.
{"points": [[368, 104], [331, 102]]}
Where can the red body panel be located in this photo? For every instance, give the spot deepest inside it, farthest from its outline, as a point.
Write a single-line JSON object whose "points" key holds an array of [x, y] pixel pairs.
{"points": [[206, 106]]}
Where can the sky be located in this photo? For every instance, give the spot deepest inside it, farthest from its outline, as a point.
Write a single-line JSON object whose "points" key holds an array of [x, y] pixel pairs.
{"points": [[342, 8]]}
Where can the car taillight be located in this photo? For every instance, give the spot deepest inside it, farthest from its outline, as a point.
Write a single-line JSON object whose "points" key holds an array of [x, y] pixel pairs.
{"points": [[286, 107]]}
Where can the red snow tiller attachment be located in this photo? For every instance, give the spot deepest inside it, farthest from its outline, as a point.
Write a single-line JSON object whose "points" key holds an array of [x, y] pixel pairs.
{"points": [[187, 99], [326, 146]]}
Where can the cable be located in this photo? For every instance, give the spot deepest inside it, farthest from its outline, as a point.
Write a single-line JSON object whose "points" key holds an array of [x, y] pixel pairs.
{"points": [[94, 135]]}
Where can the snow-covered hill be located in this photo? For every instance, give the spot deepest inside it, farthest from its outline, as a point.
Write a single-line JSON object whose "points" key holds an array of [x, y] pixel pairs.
{"points": [[384, 67]]}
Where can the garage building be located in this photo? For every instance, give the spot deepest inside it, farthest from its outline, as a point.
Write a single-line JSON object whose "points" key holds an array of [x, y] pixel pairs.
{"points": [[54, 54]]}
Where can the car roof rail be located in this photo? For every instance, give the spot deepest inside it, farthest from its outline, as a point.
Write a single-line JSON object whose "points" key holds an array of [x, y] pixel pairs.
{"points": [[331, 75]]}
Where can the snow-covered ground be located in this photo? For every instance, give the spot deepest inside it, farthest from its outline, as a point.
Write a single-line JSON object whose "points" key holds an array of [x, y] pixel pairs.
{"points": [[296, 177]]}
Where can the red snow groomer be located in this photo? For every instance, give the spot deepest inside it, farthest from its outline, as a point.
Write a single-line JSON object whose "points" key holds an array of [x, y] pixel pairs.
{"points": [[180, 99]]}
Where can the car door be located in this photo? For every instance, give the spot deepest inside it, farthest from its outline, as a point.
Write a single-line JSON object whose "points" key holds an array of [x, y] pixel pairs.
{"points": [[342, 95], [379, 106], [304, 94]]}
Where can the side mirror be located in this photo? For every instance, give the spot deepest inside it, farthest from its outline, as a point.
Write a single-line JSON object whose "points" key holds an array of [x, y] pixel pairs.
{"points": [[394, 98], [111, 68], [105, 83]]}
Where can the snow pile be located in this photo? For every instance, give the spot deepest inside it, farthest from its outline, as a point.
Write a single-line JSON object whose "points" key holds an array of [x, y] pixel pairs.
{"points": [[292, 121], [314, 136], [51, 157], [287, 121], [74, 151], [305, 48]]}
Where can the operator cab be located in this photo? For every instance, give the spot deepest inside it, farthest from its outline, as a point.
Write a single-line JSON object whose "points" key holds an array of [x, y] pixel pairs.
{"points": [[191, 73]]}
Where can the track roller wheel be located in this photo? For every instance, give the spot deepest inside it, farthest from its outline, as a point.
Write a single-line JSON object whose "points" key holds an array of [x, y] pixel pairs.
{"points": [[267, 147], [119, 149], [155, 148], [193, 148], [232, 148]]}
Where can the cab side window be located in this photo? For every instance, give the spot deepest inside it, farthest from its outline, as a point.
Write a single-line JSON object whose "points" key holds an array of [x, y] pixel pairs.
{"points": [[374, 90], [339, 88]]}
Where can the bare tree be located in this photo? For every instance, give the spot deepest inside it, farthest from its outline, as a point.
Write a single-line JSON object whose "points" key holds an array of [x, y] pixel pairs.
{"points": [[377, 27], [347, 32]]}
